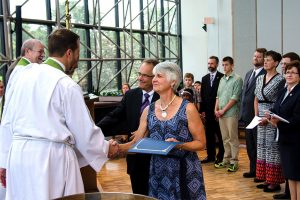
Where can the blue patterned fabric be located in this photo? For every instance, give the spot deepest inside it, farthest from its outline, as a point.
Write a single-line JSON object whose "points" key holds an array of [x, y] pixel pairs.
{"points": [[179, 175]]}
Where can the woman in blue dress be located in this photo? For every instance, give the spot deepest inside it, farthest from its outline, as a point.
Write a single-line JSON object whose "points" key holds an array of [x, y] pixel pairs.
{"points": [[178, 175]]}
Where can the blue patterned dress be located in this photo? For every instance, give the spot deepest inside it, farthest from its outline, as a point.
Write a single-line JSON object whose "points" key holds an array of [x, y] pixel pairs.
{"points": [[179, 175]]}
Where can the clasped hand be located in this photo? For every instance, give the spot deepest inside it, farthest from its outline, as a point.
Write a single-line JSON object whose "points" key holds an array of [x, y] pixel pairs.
{"points": [[3, 177], [268, 118], [219, 113], [116, 150]]}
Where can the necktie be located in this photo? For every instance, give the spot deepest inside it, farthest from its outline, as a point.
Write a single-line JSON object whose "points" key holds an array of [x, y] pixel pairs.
{"points": [[251, 78], [211, 80], [146, 102]]}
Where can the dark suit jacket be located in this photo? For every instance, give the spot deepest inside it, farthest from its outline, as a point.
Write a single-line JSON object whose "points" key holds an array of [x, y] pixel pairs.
{"points": [[247, 103], [289, 109], [129, 111], [208, 94]]}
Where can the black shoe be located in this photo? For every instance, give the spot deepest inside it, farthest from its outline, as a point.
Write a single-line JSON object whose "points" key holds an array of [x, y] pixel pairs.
{"points": [[272, 188], [248, 175], [218, 161], [258, 180], [207, 160], [262, 186], [281, 196]]}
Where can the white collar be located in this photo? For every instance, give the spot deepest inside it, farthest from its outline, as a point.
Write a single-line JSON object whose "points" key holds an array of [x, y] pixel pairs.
{"points": [[292, 88], [150, 93], [257, 71], [213, 73]]}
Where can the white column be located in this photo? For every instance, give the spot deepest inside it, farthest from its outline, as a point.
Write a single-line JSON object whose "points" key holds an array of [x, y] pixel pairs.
{"points": [[194, 38]]}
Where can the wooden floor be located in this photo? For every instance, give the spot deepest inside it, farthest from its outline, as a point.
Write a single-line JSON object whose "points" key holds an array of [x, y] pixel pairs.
{"points": [[219, 183]]}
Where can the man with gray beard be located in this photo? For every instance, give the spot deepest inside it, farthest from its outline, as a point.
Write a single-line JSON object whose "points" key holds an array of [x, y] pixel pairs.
{"points": [[209, 88]]}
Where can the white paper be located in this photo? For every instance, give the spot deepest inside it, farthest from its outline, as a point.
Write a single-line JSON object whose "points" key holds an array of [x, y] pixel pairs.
{"points": [[278, 117], [273, 115], [277, 135], [255, 121]]}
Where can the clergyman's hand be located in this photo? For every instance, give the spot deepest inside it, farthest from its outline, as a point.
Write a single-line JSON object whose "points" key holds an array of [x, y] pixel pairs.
{"points": [[113, 151], [3, 177]]}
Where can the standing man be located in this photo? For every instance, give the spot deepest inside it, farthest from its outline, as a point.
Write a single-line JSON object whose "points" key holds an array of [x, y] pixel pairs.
{"points": [[227, 111], [32, 51], [129, 110], [209, 88], [247, 107], [287, 58], [46, 132]]}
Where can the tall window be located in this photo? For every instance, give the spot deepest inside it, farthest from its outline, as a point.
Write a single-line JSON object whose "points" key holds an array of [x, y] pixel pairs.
{"points": [[116, 35]]}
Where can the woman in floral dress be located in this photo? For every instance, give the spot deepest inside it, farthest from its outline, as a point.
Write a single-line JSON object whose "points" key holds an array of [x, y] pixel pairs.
{"points": [[268, 165]]}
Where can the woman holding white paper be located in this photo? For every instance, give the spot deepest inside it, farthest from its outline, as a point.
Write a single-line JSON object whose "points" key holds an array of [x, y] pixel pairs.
{"points": [[287, 106], [176, 176], [268, 165]]}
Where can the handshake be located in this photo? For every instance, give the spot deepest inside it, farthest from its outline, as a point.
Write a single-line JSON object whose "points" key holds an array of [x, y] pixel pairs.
{"points": [[117, 150]]}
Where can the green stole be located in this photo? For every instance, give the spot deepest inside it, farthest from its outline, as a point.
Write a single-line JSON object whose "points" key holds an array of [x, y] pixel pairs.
{"points": [[23, 62], [54, 64]]}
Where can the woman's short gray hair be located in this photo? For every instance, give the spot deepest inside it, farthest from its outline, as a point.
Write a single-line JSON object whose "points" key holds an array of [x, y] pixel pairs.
{"points": [[171, 70]]}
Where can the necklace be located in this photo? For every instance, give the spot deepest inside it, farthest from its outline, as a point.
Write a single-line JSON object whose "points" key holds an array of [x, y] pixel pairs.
{"points": [[163, 110]]}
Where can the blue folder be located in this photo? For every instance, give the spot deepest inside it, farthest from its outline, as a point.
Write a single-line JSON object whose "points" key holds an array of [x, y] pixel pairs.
{"points": [[151, 146]]}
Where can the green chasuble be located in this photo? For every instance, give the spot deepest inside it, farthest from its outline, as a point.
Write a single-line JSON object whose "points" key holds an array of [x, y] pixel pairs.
{"points": [[23, 62], [54, 64]]}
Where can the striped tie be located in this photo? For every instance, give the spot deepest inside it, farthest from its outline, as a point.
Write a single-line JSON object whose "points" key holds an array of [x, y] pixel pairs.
{"points": [[211, 80], [146, 102]]}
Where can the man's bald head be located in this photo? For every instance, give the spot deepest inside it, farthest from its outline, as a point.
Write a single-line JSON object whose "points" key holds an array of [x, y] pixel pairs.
{"points": [[33, 50]]}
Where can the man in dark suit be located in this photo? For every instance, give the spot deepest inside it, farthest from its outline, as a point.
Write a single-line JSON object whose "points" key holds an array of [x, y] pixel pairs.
{"points": [[247, 107], [209, 88], [130, 110]]}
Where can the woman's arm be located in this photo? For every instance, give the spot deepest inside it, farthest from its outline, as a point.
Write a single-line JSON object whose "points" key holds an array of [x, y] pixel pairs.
{"points": [[255, 106], [264, 121], [138, 134], [217, 108], [197, 130]]}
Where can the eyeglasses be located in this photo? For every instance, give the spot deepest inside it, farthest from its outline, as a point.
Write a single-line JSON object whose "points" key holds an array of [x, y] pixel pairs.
{"points": [[145, 75], [291, 73], [40, 51]]}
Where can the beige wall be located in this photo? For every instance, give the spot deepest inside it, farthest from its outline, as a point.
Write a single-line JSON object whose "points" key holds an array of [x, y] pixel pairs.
{"points": [[239, 27]]}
